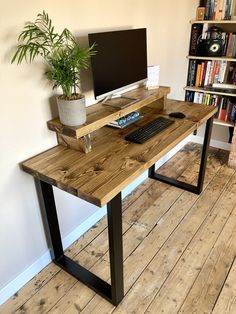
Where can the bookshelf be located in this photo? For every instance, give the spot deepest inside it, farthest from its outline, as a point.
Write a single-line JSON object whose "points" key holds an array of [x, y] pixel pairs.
{"points": [[201, 75]]}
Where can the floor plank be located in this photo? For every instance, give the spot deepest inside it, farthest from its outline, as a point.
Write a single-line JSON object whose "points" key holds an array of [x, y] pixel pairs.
{"points": [[227, 300], [179, 250]]}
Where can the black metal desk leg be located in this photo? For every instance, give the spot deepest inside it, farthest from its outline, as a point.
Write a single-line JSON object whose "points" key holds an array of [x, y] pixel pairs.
{"points": [[186, 186], [114, 216], [205, 148], [114, 293], [47, 202]]}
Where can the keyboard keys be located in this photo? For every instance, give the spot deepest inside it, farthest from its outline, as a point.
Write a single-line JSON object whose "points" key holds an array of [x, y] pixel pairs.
{"points": [[145, 132]]}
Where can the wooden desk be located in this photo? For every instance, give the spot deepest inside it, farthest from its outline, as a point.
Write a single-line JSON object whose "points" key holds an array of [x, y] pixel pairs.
{"points": [[101, 175]]}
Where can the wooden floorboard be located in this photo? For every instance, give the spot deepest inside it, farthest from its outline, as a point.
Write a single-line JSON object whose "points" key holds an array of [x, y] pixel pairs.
{"points": [[179, 250]]}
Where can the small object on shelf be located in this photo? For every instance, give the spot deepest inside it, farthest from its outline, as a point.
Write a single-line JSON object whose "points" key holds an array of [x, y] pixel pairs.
{"points": [[210, 43], [200, 14], [125, 121], [153, 77]]}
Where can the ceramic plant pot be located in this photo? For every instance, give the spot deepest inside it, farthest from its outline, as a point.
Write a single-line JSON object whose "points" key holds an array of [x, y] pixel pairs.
{"points": [[72, 112]]}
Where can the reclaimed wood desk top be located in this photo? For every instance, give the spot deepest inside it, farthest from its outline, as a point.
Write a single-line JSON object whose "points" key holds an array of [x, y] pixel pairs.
{"points": [[114, 162]]}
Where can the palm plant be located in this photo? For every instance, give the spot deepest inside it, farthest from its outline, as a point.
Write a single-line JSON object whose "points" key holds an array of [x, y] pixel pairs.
{"points": [[63, 57]]}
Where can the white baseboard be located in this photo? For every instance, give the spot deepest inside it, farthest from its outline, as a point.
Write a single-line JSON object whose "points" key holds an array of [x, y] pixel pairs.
{"points": [[12, 287]]}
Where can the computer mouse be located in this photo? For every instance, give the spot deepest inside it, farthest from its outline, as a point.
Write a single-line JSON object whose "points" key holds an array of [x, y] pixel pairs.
{"points": [[178, 115]]}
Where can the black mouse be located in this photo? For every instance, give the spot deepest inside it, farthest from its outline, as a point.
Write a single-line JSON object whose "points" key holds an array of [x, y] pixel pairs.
{"points": [[178, 115]]}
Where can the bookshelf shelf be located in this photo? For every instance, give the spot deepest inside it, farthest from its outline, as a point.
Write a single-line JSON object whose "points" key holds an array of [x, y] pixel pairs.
{"points": [[204, 90], [223, 123], [212, 58], [213, 22]]}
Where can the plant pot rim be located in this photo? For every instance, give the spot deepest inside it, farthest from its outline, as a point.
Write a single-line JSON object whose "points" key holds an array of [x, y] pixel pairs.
{"points": [[76, 97]]}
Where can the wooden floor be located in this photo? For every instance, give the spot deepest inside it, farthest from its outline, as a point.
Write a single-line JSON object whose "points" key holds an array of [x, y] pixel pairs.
{"points": [[179, 250]]}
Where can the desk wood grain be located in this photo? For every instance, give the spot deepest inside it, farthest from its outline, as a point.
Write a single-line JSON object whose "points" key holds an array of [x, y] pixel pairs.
{"points": [[114, 162]]}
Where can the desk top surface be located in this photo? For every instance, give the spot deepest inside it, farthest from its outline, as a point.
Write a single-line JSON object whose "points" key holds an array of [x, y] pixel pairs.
{"points": [[114, 162]]}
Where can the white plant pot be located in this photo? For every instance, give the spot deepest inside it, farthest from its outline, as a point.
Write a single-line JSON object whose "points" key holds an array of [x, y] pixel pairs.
{"points": [[72, 112]]}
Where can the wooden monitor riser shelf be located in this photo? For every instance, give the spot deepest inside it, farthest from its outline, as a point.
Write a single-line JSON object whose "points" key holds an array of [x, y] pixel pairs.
{"points": [[99, 115], [99, 176]]}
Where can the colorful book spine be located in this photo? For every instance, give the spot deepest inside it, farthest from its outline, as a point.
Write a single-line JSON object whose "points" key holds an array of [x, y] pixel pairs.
{"points": [[197, 81], [195, 34], [233, 113]]}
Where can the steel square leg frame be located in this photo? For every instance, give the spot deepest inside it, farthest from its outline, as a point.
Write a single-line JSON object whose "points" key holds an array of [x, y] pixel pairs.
{"points": [[114, 293], [186, 186]]}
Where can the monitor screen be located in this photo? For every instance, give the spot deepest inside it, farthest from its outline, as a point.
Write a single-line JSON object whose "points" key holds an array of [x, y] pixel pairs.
{"points": [[120, 61]]}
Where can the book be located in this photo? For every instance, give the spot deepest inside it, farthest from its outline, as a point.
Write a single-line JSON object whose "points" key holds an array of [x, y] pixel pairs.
{"points": [[218, 10], [227, 69], [189, 73], [229, 43], [189, 96], [193, 72], [225, 38], [223, 9], [197, 81], [223, 109], [222, 71], [233, 113], [217, 72], [208, 68], [207, 11], [196, 97], [211, 10], [233, 10], [128, 119], [203, 73], [227, 10], [195, 34], [213, 73]]}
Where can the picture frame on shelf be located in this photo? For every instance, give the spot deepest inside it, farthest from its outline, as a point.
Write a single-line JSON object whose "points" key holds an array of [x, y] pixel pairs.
{"points": [[200, 14]]}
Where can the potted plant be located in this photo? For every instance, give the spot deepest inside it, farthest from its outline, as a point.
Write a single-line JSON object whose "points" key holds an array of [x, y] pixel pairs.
{"points": [[64, 60]]}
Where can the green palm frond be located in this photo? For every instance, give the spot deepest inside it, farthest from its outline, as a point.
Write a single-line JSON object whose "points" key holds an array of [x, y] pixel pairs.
{"points": [[61, 52]]}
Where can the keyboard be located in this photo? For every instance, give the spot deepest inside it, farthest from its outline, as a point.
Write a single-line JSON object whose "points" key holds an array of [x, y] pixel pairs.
{"points": [[148, 130]]}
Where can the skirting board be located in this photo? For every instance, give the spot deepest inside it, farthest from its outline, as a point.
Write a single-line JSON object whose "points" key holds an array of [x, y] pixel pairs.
{"points": [[12, 287], [213, 143]]}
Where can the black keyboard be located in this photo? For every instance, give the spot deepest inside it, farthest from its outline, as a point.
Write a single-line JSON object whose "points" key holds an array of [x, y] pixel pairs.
{"points": [[148, 130]]}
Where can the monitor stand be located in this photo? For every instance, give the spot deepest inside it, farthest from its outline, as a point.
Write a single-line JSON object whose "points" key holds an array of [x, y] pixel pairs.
{"points": [[118, 101]]}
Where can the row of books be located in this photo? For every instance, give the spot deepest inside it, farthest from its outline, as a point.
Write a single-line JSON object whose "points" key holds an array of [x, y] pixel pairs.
{"points": [[206, 73], [226, 106], [218, 9], [229, 46]]}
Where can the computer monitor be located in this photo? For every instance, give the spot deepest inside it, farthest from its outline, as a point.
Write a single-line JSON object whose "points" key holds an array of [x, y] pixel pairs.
{"points": [[120, 61]]}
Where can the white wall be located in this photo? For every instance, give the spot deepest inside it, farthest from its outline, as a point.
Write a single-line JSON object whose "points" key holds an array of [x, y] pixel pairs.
{"points": [[25, 106]]}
